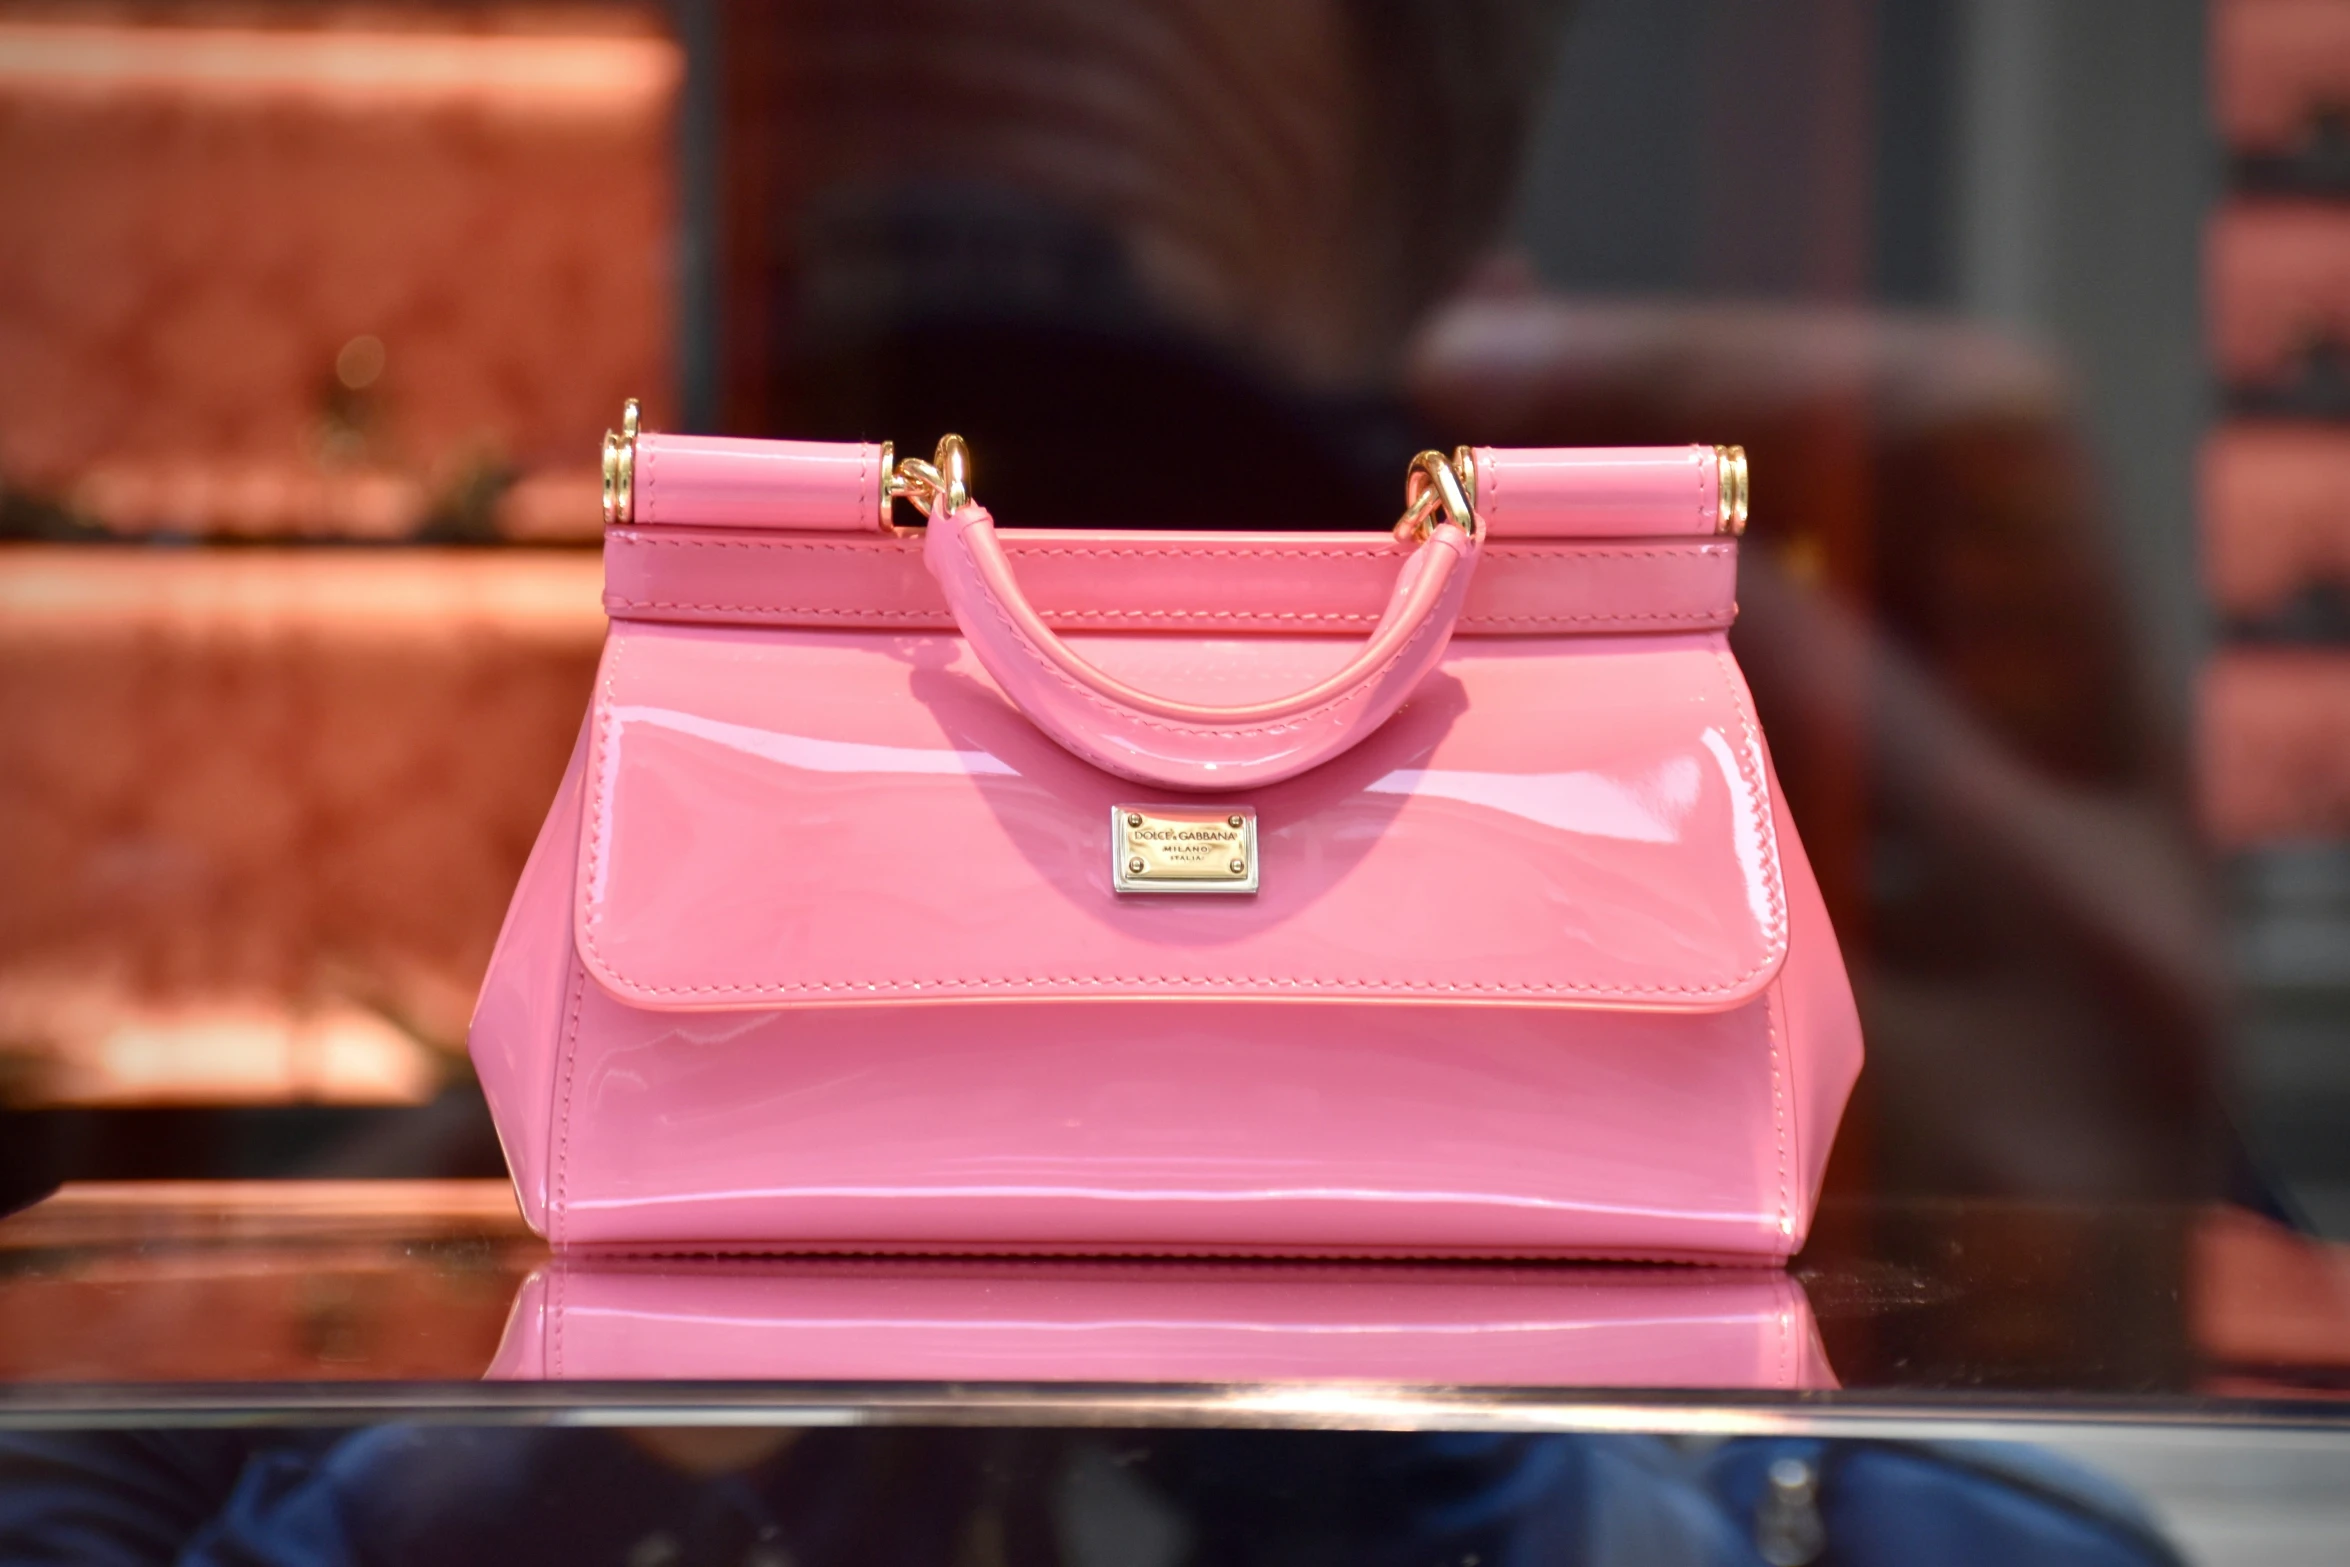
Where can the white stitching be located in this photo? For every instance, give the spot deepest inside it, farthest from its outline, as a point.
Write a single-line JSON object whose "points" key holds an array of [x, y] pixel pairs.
{"points": [[1672, 1264], [1778, 1114], [1315, 553], [940, 618], [1022, 547], [1556, 555], [917, 617], [1160, 981], [560, 1209]]}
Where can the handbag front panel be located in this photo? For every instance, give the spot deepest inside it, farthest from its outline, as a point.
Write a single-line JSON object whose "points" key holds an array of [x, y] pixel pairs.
{"points": [[783, 817], [1297, 1127]]}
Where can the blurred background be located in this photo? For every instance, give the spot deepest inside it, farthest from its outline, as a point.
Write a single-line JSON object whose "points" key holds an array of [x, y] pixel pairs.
{"points": [[2035, 319]]}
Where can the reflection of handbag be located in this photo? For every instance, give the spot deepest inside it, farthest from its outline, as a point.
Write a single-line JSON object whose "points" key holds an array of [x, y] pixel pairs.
{"points": [[939, 889], [986, 1320]]}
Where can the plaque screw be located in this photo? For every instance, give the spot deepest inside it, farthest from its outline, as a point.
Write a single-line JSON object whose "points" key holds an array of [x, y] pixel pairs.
{"points": [[1238, 866], [1134, 866], [1232, 821], [1133, 819]]}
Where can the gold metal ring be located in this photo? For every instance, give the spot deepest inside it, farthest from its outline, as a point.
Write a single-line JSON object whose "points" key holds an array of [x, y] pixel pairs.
{"points": [[1432, 475], [1730, 486], [917, 482], [1420, 498], [620, 467], [953, 473]]}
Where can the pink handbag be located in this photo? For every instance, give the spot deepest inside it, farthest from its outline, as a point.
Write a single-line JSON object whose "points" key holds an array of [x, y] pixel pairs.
{"points": [[942, 889]]}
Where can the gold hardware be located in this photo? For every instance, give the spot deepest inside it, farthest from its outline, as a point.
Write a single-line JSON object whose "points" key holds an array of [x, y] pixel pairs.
{"points": [[954, 472], [1433, 482], [946, 479], [1730, 484], [620, 467], [1183, 848]]}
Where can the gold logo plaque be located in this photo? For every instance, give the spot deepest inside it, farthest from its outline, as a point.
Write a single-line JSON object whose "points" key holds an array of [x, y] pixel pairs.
{"points": [[1183, 848]]}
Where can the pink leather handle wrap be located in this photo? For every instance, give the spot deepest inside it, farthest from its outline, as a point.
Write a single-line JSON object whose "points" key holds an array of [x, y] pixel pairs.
{"points": [[717, 481], [709, 481], [1582, 492], [1182, 745]]}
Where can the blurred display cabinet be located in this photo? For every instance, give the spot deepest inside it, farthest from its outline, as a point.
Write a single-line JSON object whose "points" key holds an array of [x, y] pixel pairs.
{"points": [[2280, 72], [2276, 744], [263, 810], [364, 274], [2278, 281], [2276, 524], [334, 274]]}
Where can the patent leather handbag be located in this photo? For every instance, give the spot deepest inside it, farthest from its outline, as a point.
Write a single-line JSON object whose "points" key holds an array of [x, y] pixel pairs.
{"points": [[917, 887]]}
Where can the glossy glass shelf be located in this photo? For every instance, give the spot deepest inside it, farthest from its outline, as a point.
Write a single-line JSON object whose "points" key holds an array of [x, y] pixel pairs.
{"points": [[195, 1303]]}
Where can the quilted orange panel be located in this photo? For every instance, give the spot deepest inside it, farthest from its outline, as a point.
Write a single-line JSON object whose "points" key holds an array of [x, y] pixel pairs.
{"points": [[2274, 744], [2274, 526], [261, 810], [327, 280]]}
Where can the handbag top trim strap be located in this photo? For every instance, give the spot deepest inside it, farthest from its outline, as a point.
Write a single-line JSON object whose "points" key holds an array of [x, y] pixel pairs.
{"points": [[1561, 492]]}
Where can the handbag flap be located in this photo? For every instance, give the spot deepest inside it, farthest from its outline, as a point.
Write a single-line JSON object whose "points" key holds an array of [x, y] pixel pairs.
{"points": [[781, 817]]}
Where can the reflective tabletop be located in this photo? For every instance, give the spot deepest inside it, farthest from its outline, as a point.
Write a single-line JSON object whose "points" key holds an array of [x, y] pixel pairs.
{"points": [[195, 1302]]}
